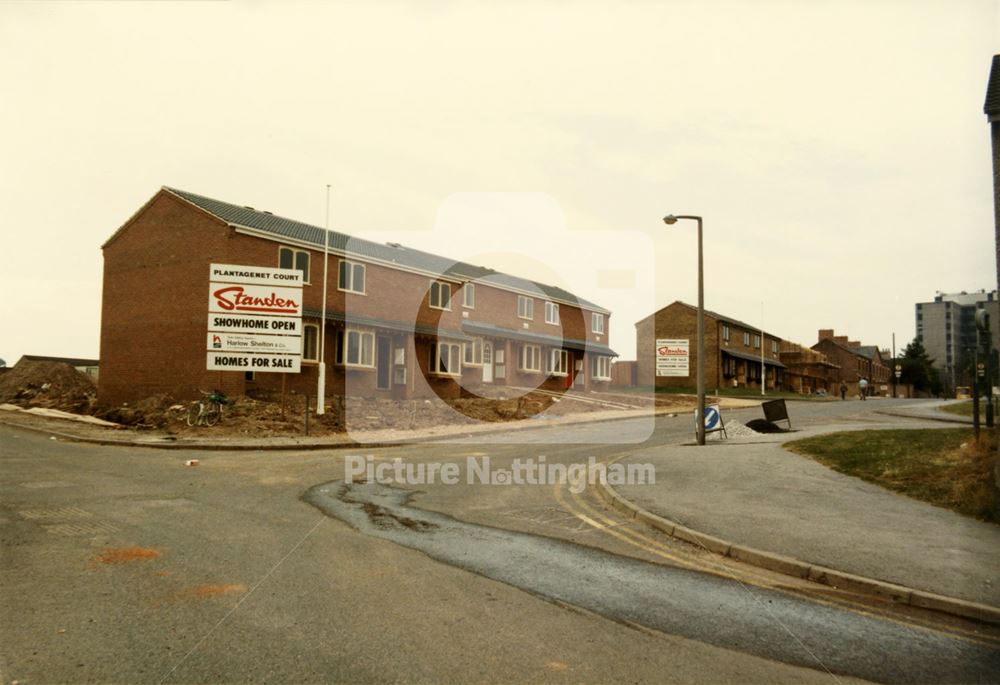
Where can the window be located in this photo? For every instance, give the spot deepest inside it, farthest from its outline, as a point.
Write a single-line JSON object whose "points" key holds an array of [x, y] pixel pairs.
{"points": [[310, 343], [289, 258], [499, 367], [596, 322], [446, 359], [530, 359], [440, 296], [600, 368], [355, 348], [746, 338], [558, 362], [774, 347], [725, 332], [469, 295], [525, 307], [552, 313], [473, 352], [756, 341], [728, 367], [352, 277]]}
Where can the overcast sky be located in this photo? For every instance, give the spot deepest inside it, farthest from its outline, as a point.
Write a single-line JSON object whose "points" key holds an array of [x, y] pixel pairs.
{"points": [[837, 150]]}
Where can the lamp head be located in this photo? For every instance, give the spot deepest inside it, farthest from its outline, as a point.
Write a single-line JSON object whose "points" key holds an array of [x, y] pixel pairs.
{"points": [[670, 219]]}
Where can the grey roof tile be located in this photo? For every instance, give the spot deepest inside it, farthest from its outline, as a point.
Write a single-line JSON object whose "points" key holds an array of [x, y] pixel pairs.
{"points": [[404, 256]]}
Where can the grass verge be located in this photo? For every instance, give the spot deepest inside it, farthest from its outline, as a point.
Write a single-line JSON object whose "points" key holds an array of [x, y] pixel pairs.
{"points": [[947, 467], [965, 409]]}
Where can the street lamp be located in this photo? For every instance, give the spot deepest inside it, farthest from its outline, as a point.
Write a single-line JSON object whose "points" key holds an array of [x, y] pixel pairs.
{"points": [[670, 220]]}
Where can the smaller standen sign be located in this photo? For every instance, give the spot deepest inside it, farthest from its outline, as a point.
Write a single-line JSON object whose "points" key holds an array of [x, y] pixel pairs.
{"points": [[254, 319], [672, 356]]}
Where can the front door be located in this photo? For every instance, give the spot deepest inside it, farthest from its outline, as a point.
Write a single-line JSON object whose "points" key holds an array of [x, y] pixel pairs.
{"points": [[487, 362], [383, 363]]}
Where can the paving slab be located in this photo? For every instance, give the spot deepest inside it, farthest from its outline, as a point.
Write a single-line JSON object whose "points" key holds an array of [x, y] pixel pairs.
{"points": [[762, 496]]}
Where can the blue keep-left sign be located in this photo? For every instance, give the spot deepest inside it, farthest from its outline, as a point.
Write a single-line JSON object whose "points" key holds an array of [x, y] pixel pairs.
{"points": [[713, 418]]}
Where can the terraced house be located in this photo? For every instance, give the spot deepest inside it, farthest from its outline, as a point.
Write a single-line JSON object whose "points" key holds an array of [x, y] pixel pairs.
{"points": [[400, 322]]}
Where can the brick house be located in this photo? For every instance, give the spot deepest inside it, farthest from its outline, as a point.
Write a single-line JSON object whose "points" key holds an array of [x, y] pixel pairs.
{"points": [[855, 361], [732, 350], [400, 323], [807, 370]]}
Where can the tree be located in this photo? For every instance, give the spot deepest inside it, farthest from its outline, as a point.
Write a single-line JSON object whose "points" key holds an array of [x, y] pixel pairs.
{"points": [[918, 369]]}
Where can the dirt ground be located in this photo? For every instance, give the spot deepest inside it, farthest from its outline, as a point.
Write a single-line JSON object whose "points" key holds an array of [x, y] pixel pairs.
{"points": [[59, 386]]}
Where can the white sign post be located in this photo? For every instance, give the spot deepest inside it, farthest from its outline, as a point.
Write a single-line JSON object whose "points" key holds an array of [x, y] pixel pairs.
{"points": [[672, 357], [254, 319]]}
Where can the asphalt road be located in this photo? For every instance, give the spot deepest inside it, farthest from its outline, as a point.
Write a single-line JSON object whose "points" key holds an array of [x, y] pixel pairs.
{"points": [[124, 565]]}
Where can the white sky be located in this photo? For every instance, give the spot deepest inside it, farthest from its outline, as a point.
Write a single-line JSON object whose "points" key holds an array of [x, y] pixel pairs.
{"points": [[837, 150]]}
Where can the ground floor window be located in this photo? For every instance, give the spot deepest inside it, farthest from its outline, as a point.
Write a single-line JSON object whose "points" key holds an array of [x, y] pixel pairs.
{"points": [[446, 359], [499, 365], [728, 367], [473, 352], [558, 362], [753, 372], [600, 368], [310, 343], [355, 348], [530, 359]]}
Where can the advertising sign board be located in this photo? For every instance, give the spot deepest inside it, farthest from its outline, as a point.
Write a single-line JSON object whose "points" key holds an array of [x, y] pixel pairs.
{"points": [[254, 319], [672, 357]]}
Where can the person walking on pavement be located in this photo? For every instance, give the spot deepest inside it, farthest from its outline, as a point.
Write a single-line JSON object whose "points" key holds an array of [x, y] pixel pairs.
{"points": [[863, 388], [843, 390]]}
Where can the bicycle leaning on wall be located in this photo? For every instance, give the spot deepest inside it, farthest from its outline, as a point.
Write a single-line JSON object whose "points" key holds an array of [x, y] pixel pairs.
{"points": [[208, 410]]}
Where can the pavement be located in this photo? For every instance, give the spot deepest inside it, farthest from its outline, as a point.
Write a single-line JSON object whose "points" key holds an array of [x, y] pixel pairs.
{"points": [[763, 497]]}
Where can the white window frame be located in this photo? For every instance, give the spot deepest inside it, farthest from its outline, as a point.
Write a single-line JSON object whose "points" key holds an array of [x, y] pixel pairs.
{"points": [[430, 295], [472, 353], [295, 260], [536, 358], [454, 352], [756, 341], [558, 362], [351, 272], [746, 338], [527, 311], [552, 313], [725, 332], [305, 336], [344, 347], [469, 295], [601, 363], [774, 347], [596, 323]]}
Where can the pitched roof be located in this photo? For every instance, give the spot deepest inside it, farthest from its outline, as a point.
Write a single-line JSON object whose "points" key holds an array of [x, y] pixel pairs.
{"points": [[715, 315], [867, 351], [392, 253]]}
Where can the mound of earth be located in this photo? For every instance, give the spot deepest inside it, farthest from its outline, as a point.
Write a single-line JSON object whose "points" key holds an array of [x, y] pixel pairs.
{"points": [[54, 385]]}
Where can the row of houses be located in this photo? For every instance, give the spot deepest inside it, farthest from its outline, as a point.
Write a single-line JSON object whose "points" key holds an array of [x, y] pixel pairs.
{"points": [[399, 323], [742, 355]]}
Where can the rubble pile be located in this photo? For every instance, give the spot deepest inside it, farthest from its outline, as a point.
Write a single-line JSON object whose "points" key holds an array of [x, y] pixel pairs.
{"points": [[52, 385]]}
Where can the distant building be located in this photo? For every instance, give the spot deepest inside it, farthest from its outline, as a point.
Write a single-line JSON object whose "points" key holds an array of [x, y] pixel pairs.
{"points": [[854, 361], [947, 329], [808, 371], [734, 351]]}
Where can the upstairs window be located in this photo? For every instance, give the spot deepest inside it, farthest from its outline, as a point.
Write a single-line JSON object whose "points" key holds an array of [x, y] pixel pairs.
{"points": [[756, 341], [746, 338], [725, 332], [440, 295], [774, 347], [469, 295], [352, 277], [525, 307], [597, 322], [552, 313], [290, 258]]}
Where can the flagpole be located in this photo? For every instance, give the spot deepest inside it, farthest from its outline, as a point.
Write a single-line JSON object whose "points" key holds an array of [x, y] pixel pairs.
{"points": [[321, 390]]}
